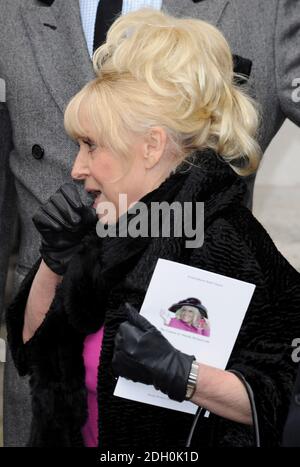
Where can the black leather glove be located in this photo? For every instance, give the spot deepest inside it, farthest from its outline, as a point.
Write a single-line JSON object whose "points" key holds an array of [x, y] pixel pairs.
{"points": [[62, 222], [144, 355]]}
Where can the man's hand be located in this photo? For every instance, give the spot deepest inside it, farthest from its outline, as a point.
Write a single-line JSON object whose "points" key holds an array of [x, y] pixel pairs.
{"points": [[144, 355], [62, 222]]}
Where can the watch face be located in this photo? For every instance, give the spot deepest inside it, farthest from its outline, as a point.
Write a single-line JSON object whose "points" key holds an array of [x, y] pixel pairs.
{"points": [[192, 380]]}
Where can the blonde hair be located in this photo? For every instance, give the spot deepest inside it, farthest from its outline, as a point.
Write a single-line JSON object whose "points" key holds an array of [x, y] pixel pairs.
{"points": [[157, 70]]}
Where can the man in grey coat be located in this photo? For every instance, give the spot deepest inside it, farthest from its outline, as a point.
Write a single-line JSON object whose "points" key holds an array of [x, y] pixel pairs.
{"points": [[45, 61]]}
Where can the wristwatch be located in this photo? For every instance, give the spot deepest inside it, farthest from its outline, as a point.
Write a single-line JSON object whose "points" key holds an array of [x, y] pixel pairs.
{"points": [[192, 381]]}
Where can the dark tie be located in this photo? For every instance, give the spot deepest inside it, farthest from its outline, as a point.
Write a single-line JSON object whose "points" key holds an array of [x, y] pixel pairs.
{"points": [[107, 12]]}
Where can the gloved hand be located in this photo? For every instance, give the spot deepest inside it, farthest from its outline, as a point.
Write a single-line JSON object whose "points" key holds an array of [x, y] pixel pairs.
{"points": [[144, 355], [62, 222]]}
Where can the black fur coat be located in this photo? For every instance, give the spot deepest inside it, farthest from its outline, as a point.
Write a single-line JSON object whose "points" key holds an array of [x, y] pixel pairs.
{"points": [[104, 275]]}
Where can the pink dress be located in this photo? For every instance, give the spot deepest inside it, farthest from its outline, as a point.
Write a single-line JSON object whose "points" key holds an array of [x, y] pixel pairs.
{"points": [[91, 356], [179, 324]]}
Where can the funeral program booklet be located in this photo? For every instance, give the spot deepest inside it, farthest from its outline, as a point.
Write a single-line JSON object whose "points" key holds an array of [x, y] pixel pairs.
{"points": [[199, 312]]}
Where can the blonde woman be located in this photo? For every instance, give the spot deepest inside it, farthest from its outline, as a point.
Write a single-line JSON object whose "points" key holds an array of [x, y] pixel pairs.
{"points": [[163, 121]]}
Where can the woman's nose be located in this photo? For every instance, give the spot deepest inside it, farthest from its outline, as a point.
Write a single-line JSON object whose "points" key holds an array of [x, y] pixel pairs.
{"points": [[80, 168]]}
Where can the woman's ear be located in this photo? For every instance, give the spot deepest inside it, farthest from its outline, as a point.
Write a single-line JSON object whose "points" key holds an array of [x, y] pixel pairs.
{"points": [[155, 143]]}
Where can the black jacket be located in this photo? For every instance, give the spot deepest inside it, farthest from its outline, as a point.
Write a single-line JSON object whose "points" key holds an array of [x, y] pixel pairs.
{"points": [[291, 437], [106, 274]]}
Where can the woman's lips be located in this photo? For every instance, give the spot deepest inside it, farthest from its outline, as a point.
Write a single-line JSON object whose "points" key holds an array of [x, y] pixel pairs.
{"points": [[94, 196]]}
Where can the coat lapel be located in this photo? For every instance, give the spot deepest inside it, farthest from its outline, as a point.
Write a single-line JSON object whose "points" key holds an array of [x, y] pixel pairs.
{"points": [[207, 10], [59, 47]]}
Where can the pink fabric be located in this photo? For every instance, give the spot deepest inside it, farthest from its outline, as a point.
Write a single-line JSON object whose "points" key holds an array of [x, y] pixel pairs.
{"points": [[91, 356], [179, 324]]}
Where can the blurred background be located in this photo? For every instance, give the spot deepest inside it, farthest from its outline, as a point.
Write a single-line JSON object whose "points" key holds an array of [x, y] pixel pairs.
{"points": [[276, 206]]}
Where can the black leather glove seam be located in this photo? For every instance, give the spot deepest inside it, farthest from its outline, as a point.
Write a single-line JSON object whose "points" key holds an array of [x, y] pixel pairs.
{"points": [[120, 339]]}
